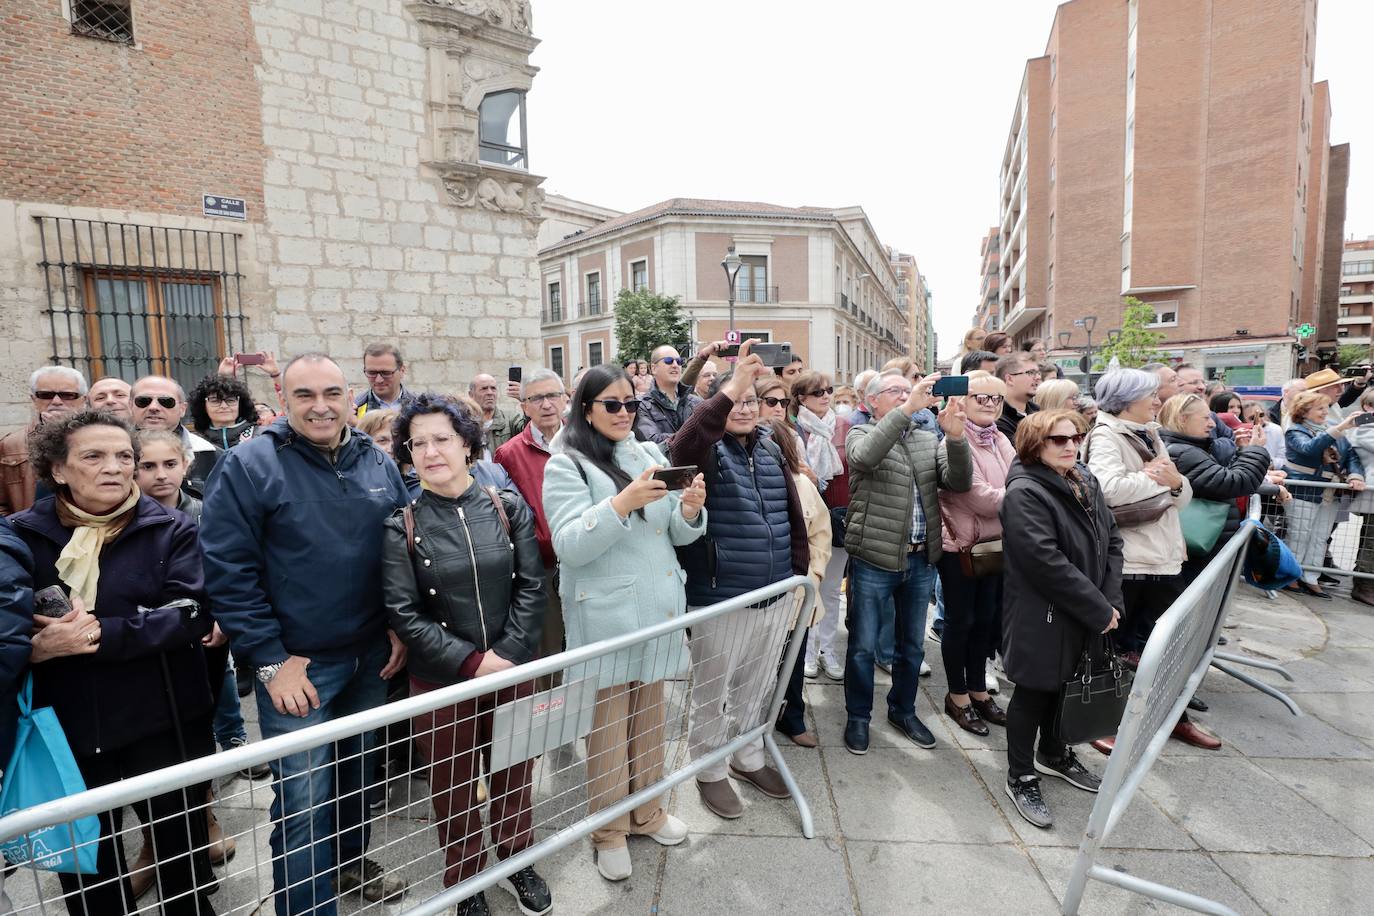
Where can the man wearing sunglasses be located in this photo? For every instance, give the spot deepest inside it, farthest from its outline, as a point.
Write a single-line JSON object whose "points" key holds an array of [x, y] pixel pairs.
{"points": [[54, 391], [668, 404], [160, 403], [1021, 374]]}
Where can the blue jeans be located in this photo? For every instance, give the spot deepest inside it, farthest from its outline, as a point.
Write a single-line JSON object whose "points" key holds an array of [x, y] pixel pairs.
{"points": [[228, 716], [886, 639], [319, 806], [873, 589]]}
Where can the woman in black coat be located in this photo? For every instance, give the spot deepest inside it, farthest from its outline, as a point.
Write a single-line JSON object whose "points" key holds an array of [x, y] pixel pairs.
{"points": [[1061, 586], [124, 669], [1187, 433]]}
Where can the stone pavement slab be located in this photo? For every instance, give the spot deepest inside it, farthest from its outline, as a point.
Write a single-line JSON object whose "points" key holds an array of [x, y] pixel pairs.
{"points": [[734, 874], [1192, 872], [1303, 885], [898, 879], [1343, 789]]}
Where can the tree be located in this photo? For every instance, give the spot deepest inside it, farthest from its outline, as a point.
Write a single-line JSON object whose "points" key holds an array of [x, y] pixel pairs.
{"points": [[1137, 344], [645, 320], [1352, 355]]}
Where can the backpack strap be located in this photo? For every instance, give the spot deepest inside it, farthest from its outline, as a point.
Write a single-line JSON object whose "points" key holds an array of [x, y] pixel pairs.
{"points": [[408, 516], [495, 496]]}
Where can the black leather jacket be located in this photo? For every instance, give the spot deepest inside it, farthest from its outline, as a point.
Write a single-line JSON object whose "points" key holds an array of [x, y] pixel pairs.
{"points": [[440, 609]]}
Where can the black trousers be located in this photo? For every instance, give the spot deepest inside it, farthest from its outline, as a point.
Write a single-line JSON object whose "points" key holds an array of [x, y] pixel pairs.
{"points": [[968, 640], [792, 719], [184, 877], [1028, 712], [1145, 600]]}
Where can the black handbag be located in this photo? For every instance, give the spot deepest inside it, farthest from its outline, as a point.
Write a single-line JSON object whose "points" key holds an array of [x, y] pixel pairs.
{"points": [[837, 514], [1092, 701]]}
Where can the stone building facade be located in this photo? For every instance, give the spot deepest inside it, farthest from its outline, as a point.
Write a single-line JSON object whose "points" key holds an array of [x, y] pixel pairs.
{"points": [[380, 149]]}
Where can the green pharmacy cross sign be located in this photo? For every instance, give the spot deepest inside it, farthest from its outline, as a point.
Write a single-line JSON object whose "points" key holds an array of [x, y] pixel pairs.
{"points": [[1305, 330]]}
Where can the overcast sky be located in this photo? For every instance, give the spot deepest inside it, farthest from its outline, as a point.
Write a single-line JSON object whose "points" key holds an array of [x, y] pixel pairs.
{"points": [[902, 108]]}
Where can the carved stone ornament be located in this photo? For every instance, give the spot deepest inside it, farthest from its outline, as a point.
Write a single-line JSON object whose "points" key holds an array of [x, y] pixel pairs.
{"points": [[510, 14], [494, 189]]}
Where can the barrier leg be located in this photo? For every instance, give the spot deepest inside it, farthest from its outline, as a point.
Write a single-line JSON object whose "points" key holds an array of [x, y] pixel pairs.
{"points": [[1253, 663], [1160, 892], [1259, 685], [1078, 878], [803, 809]]}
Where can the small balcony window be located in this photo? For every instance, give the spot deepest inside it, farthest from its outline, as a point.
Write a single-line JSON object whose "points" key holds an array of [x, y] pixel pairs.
{"points": [[501, 129], [108, 20]]}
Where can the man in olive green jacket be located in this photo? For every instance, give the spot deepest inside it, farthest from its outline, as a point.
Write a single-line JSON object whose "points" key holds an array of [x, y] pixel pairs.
{"points": [[892, 534]]}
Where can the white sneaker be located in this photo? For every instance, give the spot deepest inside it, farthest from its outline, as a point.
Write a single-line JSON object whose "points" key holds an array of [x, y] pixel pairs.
{"points": [[925, 668], [672, 832], [834, 669], [811, 670], [614, 864], [990, 675]]}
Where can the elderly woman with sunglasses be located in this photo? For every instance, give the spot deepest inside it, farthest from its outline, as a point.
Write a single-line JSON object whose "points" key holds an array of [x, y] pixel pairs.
{"points": [[615, 530], [1062, 585], [971, 595]]}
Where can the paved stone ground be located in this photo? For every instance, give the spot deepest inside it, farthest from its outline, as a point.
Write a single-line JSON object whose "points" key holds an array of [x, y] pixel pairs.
{"points": [[1280, 821]]}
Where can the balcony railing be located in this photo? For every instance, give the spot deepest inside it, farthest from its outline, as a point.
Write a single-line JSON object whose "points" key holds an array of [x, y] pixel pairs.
{"points": [[593, 306], [554, 315], [758, 294]]}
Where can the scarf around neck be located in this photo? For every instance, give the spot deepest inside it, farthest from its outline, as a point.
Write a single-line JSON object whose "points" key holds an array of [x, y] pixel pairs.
{"points": [[982, 436], [78, 566], [821, 454]]}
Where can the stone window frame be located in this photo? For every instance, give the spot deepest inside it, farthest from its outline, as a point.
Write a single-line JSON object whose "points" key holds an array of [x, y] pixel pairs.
{"points": [[521, 152], [560, 369], [635, 287], [600, 357], [593, 306]]}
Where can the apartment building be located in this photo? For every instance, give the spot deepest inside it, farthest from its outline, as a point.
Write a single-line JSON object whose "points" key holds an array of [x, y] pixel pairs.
{"points": [[1355, 319], [1180, 154], [817, 278], [989, 313], [913, 288]]}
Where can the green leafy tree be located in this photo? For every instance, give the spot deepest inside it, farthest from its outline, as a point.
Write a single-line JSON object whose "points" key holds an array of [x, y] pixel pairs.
{"points": [[1352, 355], [1137, 344], [644, 320]]}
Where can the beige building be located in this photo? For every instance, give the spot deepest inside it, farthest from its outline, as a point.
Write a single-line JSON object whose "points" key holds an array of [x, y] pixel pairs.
{"points": [[1178, 153], [915, 291], [989, 312], [816, 278], [1355, 319]]}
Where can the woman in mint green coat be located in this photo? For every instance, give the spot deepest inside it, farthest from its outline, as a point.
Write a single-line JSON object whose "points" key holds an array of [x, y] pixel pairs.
{"points": [[614, 529]]}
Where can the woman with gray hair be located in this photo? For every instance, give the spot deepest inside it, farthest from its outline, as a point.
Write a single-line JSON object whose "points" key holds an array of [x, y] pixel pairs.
{"points": [[1145, 492]]}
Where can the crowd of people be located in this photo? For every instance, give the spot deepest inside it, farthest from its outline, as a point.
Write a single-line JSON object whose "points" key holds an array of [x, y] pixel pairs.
{"points": [[340, 551]]}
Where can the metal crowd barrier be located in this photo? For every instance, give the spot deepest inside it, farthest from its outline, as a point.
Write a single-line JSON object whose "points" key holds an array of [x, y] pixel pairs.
{"points": [[1324, 533], [695, 721], [1177, 656]]}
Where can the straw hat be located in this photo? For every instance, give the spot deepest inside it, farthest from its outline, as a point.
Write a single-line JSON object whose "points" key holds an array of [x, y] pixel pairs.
{"points": [[1323, 379]]}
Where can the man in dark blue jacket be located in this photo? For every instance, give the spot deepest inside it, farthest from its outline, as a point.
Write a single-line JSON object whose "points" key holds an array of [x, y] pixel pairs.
{"points": [[292, 539], [16, 622], [755, 536]]}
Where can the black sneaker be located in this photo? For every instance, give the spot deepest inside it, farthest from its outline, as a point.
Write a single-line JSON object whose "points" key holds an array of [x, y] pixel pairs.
{"points": [[913, 728], [257, 771], [856, 737], [1030, 804], [476, 905], [376, 885], [1070, 770], [530, 891]]}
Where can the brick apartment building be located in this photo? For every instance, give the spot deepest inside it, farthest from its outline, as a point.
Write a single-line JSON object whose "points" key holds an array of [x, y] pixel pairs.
{"points": [[376, 206], [1355, 320], [1178, 153], [817, 278]]}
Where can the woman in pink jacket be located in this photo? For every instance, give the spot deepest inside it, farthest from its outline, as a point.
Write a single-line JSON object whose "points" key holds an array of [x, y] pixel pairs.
{"points": [[972, 579]]}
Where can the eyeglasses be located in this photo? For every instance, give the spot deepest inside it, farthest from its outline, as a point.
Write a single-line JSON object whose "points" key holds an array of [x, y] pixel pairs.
{"points": [[165, 401], [383, 374], [46, 395], [543, 398], [440, 442], [1033, 373], [774, 402], [748, 404], [819, 392], [897, 390], [671, 360], [1061, 441], [987, 400], [220, 401], [613, 406]]}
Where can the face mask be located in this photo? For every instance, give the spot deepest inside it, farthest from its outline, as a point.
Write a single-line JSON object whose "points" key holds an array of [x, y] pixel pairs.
{"points": [[843, 410]]}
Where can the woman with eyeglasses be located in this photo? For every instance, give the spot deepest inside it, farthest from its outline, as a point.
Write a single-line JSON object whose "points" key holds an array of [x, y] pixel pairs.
{"points": [[971, 594], [464, 589], [1061, 586], [615, 530], [1057, 394], [222, 411]]}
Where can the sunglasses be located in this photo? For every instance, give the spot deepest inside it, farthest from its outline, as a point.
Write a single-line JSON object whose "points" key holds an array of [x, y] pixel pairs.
{"points": [[671, 360], [46, 395], [165, 401], [774, 402], [613, 406], [1061, 441], [987, 400], [819, 392]]}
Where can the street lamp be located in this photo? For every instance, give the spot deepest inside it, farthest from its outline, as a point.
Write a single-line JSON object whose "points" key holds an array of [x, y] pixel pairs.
{"points": [[731, 264], [1087, 323], [1064, 338]]}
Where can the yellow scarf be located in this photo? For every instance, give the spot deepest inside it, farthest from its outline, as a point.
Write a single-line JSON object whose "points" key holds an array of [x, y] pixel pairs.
{"points": [[79, 563]]}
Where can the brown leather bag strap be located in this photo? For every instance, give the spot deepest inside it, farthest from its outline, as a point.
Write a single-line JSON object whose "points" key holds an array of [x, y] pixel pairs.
{"points": [[495, 498], [408, 515]]}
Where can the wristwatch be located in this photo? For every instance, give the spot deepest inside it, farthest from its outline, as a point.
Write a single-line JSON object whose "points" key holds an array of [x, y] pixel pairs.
{"points": [[267, 672]]}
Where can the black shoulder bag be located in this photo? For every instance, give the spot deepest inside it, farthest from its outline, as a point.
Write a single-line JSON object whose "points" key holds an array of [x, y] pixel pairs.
{"points": [[1092, 701]]}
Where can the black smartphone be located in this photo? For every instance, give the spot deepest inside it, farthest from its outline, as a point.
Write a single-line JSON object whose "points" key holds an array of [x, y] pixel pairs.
{"points": [[1364, 419], [677, 478], [51, 602], [730, 352], [950, 386], [513, 374], [774, 355]]}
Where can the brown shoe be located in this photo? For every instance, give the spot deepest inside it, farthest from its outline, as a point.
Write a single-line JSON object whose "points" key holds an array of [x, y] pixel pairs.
{"points": [[222, 848], [766, 779], [1190, 733], [989, 711], [1105, 745], [805, 739], [1363, 591], [720, 798], [141, 871], [965, 717]]}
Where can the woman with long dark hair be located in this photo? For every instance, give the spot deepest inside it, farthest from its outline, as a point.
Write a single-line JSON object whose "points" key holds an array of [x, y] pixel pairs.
{"points": [[614, 529]]}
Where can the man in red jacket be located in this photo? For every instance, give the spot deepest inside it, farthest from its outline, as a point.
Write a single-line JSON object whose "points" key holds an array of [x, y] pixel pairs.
{"points": [[543, 399]]}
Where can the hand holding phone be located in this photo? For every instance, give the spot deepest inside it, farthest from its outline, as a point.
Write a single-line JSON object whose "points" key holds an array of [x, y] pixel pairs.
{"points": [[51, 602], [950, 386], [248, 359], [677, 478]]}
